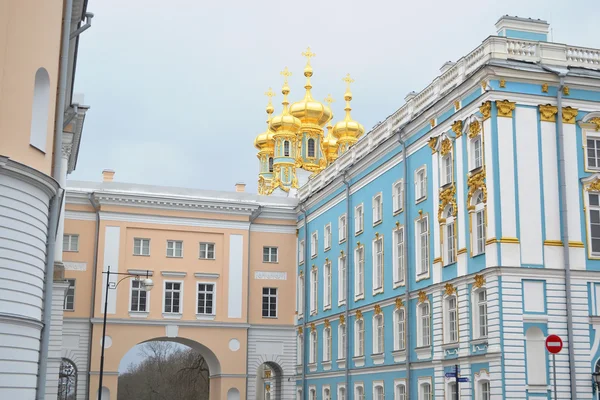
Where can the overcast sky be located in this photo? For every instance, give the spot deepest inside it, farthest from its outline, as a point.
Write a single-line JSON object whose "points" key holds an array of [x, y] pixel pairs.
{"points": [[176, 87]]}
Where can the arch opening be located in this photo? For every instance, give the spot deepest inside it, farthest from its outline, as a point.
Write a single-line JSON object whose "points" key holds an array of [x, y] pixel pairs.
{"points": [[269, 376]]}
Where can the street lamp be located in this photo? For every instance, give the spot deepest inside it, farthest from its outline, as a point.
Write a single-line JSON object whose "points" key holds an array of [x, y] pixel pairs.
{"points": [[147, 284]]}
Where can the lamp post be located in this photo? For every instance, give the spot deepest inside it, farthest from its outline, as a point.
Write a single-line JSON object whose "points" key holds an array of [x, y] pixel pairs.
{"points": [[147, 284]]}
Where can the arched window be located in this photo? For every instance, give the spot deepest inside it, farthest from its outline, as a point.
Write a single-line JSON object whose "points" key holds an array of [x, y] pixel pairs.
{"points": [[450, 236], [326, 394], [311, 147], [378, 334], [424, 325], [359, 338], [67, 380], [313, 394], [478, 223], [399, 330], [476, 153], [450, 319], [400, 393], [286, 148], [378, 393], [447, 169], [327, 344], [270, 164], [425, 391], [535, 350], [39, 110], [484, 390], [342, 393], [480, 314], [359, 393]]}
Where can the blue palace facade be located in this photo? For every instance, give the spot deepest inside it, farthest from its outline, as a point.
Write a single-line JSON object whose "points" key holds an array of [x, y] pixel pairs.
{"points": [[461, 230]]}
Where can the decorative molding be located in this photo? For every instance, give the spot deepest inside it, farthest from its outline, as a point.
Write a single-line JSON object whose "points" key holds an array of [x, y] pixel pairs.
{"points": [[479, 281], [555, 243], [566, 90], [449, 290], [446, 147], [447, 198], [327, 323], [595, 121], [422, 296], [593, 186], [342, 320], [569, 114], [548, 112], [359, 314], [300, 330], [313, 328], [140, 272], [432, 122], [476, 182], [80, 215], [206, 275], [503, 83], [285, 229], [74, 266], [399, 303], [474, 129], [486, 109], [433, 144], [178, 221], [377, 309], [457, 127], [178, 274], [271, 275], [457, 105], [505, 108], [461, 251], [545, 88]]}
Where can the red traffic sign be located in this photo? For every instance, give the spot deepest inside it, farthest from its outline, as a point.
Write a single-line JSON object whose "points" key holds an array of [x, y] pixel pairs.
{"points": [[554, 344]]}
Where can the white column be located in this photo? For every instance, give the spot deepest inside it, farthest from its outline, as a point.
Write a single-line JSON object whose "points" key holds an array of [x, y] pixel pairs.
{"points": [[56, 335], [491, 250], [433, 220], [64, 161], [460, 204]]}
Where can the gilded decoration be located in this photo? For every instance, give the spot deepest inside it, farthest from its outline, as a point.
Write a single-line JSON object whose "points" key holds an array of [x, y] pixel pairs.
{"points": [[268, 387], [342, 320], [300, 330], [569, 115], [457, 105], [267, 375], [422, 297], [566, 90], [548, 112], [358, 314], [327, 324], [433, 144], [432, 122], [449, 290], [483, 85], [447, 198], [595, 121], [457, 127], [377, 309], [479, 281], [474, 183], [474, 129], [545, 88], [502, 83], [397, 224], [342, 253], [313, 328], [486, 109], [593, 186], [446, 147], [505, 108], [399, 303]]}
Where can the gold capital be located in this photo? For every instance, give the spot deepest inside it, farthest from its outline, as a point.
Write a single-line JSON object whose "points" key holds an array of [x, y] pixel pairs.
{"points": [[377, 309], [422, 296], [358, 314], [505, 108], [486, 109], [479, 281], [548, 112], [327, 323], [569, 115], [457, 128], [342, 320], [399, 303], [313, 328], [474, 129], [449, 289], [433, 144]]}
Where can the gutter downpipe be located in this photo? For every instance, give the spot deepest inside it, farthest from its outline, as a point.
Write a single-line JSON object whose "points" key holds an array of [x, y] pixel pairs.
{"points": [[92, 305], [347, 310], [55, 205], [252, 218], [304, 303], [406, 269]]}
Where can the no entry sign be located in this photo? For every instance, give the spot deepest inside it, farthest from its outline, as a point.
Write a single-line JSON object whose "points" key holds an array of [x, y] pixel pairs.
{"points": [[554, 344]]}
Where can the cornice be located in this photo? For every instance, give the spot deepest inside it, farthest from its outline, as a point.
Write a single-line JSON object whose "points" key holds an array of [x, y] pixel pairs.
{"points": [[165, 322], [177, 221], [32, 176]]}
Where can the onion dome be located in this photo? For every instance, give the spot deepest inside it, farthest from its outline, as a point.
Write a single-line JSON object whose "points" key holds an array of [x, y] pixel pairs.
{"points": [[285, 121], [330, 145], [348, 128], [308, 110], [265, 139]]}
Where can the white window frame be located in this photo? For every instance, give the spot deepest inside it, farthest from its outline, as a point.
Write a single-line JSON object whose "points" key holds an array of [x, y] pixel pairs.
{"points": [[359, 272], [313, 347], [474, 161], [342, 340], [378, 385], [377, 209], [399, 334], [359, 219], [299, 349], [270, 296], [450, 390], [312, 393], [72, 284], [314, 291], [423, 334], [300, 296], [450, 319], [398, 250], [422, 383], [378, 334], [398, 196], [131, 296], [477, 210], [589, 209], [359, 386], [477, 326], [342, 227], [314, 244], [449, 236], [341, 392], [173, 248], [181, 288], [214, 298], [342, 280], [421, 184], [326, 390], [273, 254], [207, 250], [481, 378], [378, 267], [71, 242], [327, 344], [423, 248], [359, 345], [327, 236], [301, 252], [327, 285], [400, 383], [446, 170], [141, 241]]}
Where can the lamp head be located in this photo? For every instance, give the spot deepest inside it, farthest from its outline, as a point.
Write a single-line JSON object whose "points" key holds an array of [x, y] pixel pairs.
{"points": [[148, 284]]}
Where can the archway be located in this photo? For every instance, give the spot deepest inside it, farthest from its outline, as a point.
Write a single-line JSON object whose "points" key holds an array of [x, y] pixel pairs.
{"points": [[67, 380], [269, 381]]}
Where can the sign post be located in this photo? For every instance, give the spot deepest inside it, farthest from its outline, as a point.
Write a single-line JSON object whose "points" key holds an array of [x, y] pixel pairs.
{"points": [[554, 345]]}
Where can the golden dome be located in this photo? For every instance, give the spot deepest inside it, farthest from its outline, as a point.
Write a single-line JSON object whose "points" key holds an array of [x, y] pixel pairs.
{"points": [[348, 127], [263, 140], [308, 110], [285, 121]]}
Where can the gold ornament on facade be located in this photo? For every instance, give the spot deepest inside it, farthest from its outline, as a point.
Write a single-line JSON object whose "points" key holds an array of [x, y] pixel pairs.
{"points": [[483, 85], [447, 198], [566, 90], [595, 121], [474, 129], [593, 186], [548, 112], [433, 144], [479, 281], [422, 297], [268, 375], [300, 330], [486, 109], [399, 303], [268, 387], [457, 105], [313, 328], [476, 182], [359, 314], [377, 309], [545, 88], [502, 83], [449, 290], [446, 147], [432, 122], [327, 324], [505, 108], [457, 127], [342, 320], [569, 114]]}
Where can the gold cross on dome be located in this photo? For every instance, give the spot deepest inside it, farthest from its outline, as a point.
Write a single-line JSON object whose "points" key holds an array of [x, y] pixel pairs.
{"points": [[286, 74], [348, 80], [270, 94], [329, 100], [308, 54]]}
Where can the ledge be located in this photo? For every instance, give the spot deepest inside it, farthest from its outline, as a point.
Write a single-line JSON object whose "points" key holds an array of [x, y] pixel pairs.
{"points": [[538, 388], [312, 367], [205, 317], [140, 272], [423, 352], [535, 318], [178, 274], [359, 361], [326, 365], [341, 364], [206, 275], [399, 355], [172, 315], [138, 314], [378, 359]]}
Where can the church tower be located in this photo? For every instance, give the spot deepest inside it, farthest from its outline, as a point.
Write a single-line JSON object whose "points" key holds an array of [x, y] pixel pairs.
{"points": [[264, 142], [347, 131]]}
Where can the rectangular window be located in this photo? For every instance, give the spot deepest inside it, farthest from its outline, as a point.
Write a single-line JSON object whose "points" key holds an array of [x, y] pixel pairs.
{"points": [[342, 342], [480, 231], [327, 344], [342, 284], [399, 271], [452, 320], [378, 264], [173, 297], [314, 287], [450, 243], [70, 242], [420, 184], [358, 219], [342, 228], [594, 200], [269, 303], [207, 251], [398, 196], [377, 209], [359, 271], [423, 249], [477, 153], [174, 248], [269, 254], [206, 298], [141, 247], [485, 390], [327, 286], [139, 295], [447, 169], [301, 252], [359, 345], [425, 337], [69, 303], [314, 244], [482, 313], [378, 334], [313, 348], [593, 153], [400, 326], [300, 295], [327, 236]]}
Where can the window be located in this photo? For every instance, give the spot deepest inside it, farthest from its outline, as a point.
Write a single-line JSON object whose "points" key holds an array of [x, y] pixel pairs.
{"points": [[447, 169], [342, 282], [206, 294], [301, 295], [424, 326], [425, 391], [451, 320], [313, 347], [342, 228], [270, 164], [358, 219], [377, 209], [399, 271], [40, 106], [313, 394], [342, 393], [174, 248], [399, 330], [484, 390], [269, 303], [207, 251], [67, 380], [286, 148], [326, 392], [141, 247], [139, 296], [71, 243], [359, 338], [423, 246], [342, 341], [451, 394], [359, 393], [313, 290], [359, 271], [594, 206], [420, 184], [477, 153], [378, 392], [378, 334], [535, 353], [479, 224], [270, 254], [481, 325], [314, 243], [69, 302], [311, 148], [400, 393], [301, 252], [378, 264], [398, 196], [327, 236], [327, 344], [450, 240], [173, 297], [299, 349], [327, 286]]}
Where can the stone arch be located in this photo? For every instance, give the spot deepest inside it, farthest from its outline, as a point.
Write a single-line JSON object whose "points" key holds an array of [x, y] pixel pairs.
{"points": [[269, 380], [233, 394], [214, 366], [67, 379]]}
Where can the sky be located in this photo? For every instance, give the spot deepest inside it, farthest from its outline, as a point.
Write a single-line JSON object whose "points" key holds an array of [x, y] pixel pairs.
{"points": [[176, 87]]}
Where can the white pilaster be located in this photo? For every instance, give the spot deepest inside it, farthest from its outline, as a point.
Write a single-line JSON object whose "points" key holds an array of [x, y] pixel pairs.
{"points": [[460, 203], [491, 250], [112, 237], [56, 336], [62, 181]]}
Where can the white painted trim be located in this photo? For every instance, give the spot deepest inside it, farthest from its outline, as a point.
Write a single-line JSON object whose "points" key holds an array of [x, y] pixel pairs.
{"points": [[80, 215], [284, 229], [165, 297], [214, 300], [206, 275], [177, 274], [161, 322], [161, 220]]}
